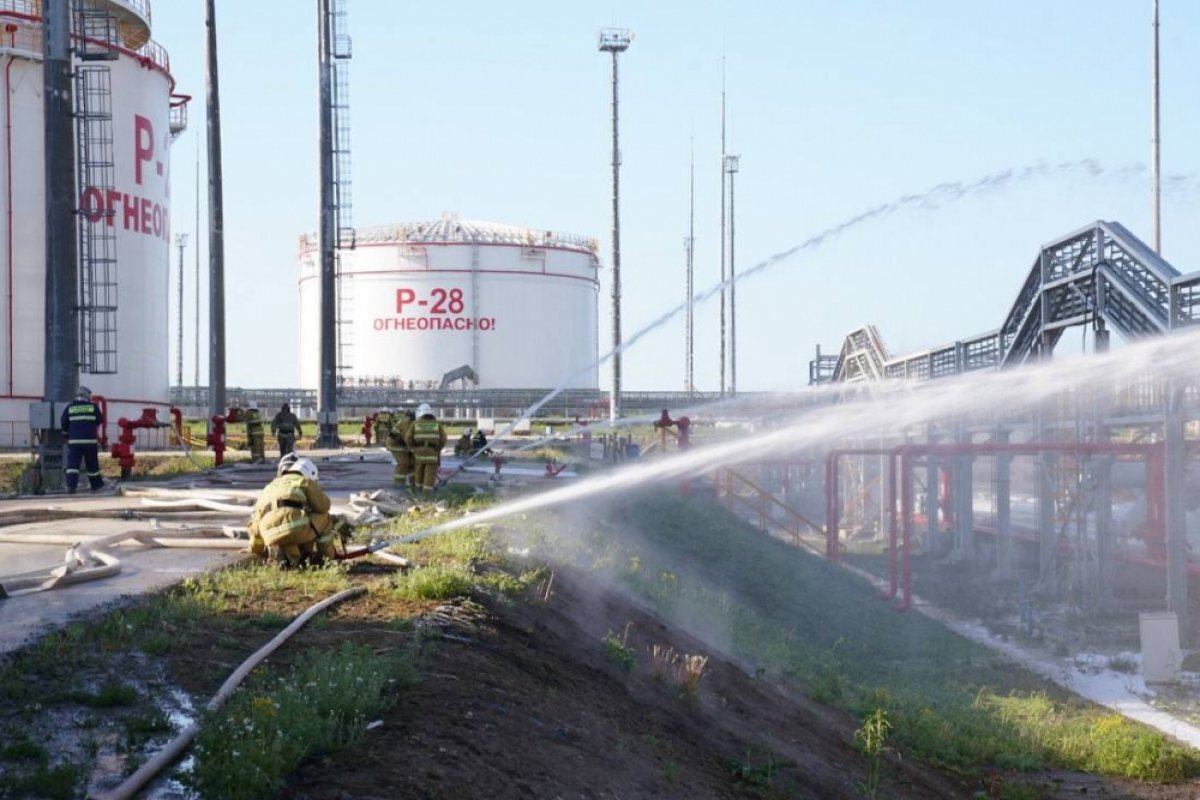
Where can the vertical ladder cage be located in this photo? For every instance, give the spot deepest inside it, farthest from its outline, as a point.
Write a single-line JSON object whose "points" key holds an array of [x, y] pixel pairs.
{"points": [[95, 174], [341, 52]]}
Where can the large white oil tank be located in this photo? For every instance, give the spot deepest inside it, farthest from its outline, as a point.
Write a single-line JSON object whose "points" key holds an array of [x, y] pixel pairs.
{"points": [[142, 122], [516, 305]]}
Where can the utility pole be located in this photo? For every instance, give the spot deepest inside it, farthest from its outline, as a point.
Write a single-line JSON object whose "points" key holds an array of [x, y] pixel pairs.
{"points": [[615, 41], [196, 342], [216, 227], [689, 382], [724, 278], [1156, 152], [181, 240], [731, 168], [327, 413], [61, 375]]}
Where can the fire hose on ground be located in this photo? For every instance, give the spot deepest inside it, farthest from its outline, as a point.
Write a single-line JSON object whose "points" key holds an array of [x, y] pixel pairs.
{"points": [[89, 561], [175, 748]]}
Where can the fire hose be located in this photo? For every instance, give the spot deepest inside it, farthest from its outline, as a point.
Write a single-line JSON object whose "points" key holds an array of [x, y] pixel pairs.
{"points": [[175, 748]]}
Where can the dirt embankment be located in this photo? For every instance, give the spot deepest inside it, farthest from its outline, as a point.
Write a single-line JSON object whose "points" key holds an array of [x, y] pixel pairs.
{"points": [[528, 702]]}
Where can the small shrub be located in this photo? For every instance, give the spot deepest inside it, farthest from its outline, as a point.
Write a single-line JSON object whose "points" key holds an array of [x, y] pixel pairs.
{"points": [[680, 670], [871, 738], [618, 651]]}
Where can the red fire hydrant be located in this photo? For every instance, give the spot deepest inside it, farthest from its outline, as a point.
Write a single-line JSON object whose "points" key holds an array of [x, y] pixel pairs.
{"points": [[681, 425], [102, 401], [497, 462], [368, 427], [122, 451], [216, 438]]}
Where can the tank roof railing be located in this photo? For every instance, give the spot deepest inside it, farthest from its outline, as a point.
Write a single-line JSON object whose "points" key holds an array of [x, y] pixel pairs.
{"points": [[464, 232], [27, 39]]}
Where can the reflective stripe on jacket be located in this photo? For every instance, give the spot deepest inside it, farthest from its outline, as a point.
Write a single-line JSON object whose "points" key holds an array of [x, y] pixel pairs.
{"points": [[254, 423], [80, 422], [285, 504]]}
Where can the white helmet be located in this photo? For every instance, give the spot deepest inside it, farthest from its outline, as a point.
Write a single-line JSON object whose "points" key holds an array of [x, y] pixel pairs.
{"points": [[286, 462], [304, 467], [424, 410], [253, 406]]}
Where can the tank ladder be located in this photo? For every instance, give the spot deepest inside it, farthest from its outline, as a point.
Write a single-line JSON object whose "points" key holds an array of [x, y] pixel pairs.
{"points": [[96, 41], [342, 182]]}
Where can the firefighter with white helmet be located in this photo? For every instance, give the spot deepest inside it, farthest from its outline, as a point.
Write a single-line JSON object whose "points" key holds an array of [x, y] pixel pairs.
{"points": [[291, 523], [426, 437], [255, 434]]}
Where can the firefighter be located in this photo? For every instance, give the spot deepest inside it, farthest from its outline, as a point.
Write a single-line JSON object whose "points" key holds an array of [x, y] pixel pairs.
{"points": [[81, 423], [398, 446], [383, 426], [426, 438], [479, 443], [254, 434], [286, 428], [463, 446], [291, 524]]}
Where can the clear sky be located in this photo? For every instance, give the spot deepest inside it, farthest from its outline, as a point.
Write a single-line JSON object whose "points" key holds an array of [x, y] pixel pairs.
{"points": [[500, 112]]}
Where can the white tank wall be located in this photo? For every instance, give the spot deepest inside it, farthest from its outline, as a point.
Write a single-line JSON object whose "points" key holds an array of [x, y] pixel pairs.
{"points": [[522, 317], [140, 115]]}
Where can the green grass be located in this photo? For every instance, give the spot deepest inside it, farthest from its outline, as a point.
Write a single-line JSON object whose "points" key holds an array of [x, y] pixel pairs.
{"points": [[618, 651], [44, 783], [246, 749], [437, 582], [950, 701]]}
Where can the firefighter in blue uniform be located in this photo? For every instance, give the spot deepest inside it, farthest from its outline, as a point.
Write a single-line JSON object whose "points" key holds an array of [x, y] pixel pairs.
{"points": [[81, 423]]}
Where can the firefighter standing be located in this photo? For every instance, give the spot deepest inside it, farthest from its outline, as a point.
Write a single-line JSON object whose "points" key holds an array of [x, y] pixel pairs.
{"points": [[291, 524], [398, 446], [426, 438], [254, 434], [286, 427], [463, 446], [383, 426], [81, 422]]}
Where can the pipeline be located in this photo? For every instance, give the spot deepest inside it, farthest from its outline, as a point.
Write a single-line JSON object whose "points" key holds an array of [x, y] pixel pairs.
{"points": [[175, 748]]}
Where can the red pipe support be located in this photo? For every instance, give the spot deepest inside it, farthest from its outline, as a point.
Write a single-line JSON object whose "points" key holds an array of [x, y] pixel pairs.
{"points": [[102, 401]]}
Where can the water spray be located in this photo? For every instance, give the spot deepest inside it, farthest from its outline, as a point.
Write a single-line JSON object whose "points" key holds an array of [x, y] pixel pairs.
{"points": [[894, 406]]}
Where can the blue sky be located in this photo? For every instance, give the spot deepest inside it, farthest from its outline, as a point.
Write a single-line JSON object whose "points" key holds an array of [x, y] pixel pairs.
{"points": [[500, 112]]}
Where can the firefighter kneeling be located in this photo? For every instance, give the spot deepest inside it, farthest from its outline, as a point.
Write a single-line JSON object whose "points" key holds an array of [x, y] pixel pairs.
{"points": [[291, 523]]}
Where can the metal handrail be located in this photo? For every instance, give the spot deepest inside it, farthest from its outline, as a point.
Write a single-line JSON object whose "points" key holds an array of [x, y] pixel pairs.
{"points": [[151, 53]]}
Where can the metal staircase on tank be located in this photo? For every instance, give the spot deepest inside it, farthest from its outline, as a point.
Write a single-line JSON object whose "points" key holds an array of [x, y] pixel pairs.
{"points": [[342, 181], [1101, 275], [96, 38]]}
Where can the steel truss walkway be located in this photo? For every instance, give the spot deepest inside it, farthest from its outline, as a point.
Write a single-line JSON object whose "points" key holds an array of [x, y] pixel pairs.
{"points": [[1101, 275]]}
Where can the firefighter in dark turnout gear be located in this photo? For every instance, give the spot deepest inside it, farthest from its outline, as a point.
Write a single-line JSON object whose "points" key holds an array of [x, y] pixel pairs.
{"points": [[402, 423], [425, 438], [81, 423], [286, 427]]}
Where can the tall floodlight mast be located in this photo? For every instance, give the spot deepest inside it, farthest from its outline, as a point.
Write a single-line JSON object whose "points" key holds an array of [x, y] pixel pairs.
{"points": [[62, 266], [731, 168], [1155, 151], [724, 277], [216, 227], [181, 240], [689, 382], [615, 41]]}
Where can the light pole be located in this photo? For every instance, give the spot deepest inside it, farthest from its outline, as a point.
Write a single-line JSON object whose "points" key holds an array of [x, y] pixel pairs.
{"points": [[181, 240], [731, 168], [615, 41], [689, 243], [1156, 151]]}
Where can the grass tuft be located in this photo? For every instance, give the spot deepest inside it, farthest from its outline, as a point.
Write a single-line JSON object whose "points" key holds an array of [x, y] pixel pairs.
{"points": [[436, 582]]}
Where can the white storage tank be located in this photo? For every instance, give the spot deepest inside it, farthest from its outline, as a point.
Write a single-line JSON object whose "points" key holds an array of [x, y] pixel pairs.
{"points": [[143, 120], [516, 305]]}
